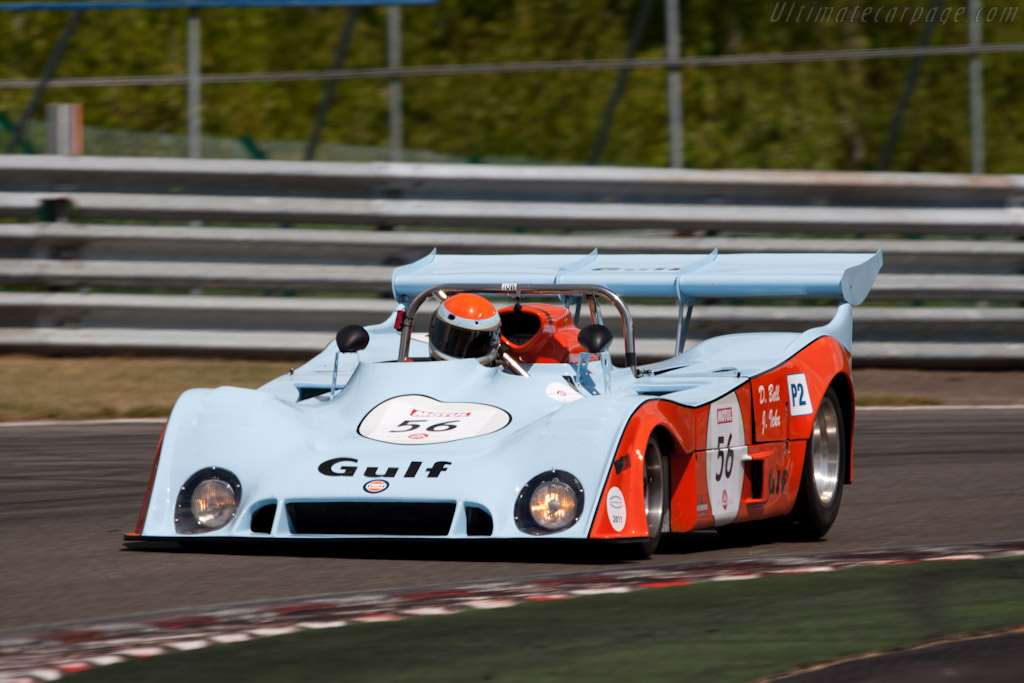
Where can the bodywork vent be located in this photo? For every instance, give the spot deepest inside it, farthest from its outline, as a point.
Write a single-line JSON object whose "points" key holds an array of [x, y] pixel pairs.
{"points": [[478, 522], [372, 519], [263, 519]]}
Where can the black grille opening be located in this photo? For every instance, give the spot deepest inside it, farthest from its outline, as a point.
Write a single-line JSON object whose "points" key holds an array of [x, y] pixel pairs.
{"points": [[385, 519], [310, 392], [478, 522], [755, 474], [263, 519], [519, 326]]}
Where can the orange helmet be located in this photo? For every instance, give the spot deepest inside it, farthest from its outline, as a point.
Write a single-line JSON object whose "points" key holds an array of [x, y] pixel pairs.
{"points": [[465, 326]]}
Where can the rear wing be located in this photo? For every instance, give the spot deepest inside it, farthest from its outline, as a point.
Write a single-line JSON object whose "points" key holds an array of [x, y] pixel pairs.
{"points": [[686, 277]]}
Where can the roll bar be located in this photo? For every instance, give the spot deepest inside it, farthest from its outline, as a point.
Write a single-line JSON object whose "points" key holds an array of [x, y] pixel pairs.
{"points": [[516, 291]]}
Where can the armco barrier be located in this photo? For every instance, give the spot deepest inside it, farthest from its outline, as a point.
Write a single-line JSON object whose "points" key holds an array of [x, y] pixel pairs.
{"points": [[950, 294]]}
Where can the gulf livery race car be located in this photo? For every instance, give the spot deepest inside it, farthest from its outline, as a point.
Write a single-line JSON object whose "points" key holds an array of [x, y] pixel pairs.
{"points": [[534, 432]]}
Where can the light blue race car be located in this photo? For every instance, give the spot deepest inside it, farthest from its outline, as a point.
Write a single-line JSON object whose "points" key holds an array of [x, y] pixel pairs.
{"points": [[494, 403]]}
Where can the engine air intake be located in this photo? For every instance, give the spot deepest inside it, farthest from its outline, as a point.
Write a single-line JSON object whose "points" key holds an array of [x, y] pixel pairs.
{"points": [[371, 519]]}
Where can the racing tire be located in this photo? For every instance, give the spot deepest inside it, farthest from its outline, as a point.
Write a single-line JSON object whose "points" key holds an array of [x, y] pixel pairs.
{"points": [[824, 471], [656, 501]]}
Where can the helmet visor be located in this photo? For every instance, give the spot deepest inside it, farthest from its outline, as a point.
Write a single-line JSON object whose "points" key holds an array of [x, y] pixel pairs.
{"points": [[458, 342]]}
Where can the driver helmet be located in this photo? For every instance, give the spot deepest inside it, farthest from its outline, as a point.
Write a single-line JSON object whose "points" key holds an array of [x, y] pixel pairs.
{"points": [[465, 326]]}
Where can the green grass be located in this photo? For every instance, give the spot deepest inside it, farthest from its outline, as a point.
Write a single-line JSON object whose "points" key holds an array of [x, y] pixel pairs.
{"points": [[716, 632], [89, 388], [878, 398]]}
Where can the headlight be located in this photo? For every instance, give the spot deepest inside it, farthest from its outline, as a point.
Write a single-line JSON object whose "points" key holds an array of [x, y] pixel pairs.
{"points": [[207, 501], [213, 503], [553, 505], [549, 502]]}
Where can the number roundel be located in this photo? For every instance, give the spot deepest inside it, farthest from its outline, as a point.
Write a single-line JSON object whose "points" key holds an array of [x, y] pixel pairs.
{"points": [[725, 451], [421, 420], [426, 424], [725, 458]]}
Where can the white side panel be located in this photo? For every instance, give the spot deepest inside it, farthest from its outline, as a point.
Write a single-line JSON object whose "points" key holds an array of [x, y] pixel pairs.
{"points": [[724, 463]]}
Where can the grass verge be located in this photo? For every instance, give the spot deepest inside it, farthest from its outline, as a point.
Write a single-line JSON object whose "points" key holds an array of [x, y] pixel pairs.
{"points": [[90, 388], [878, 398], [716, 632]]}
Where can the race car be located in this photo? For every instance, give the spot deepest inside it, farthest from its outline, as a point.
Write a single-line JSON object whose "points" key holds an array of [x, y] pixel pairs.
{"points": [[515, 415]]}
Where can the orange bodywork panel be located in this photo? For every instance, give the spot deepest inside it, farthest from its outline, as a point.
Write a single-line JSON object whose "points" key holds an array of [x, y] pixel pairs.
{"points": [[627, 472], [786, 398], [759, 431], [149, 489], [540, 333], [794, 390]]}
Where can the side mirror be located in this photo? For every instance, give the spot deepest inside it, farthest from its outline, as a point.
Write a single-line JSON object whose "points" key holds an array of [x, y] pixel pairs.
{"points": [[595, 338], [352, 338]]}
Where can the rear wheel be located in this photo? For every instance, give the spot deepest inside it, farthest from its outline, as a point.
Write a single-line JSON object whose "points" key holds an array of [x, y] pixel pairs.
{"points": [[656, 497], [821, 484]]}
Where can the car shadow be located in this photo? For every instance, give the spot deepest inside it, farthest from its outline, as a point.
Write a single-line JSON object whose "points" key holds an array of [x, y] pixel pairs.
{"points": [[533, 551], [710, 540], [436, 550]]}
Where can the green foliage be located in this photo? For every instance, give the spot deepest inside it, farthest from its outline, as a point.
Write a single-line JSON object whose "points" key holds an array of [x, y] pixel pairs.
{"points": [[716, 631], [818, 115]]}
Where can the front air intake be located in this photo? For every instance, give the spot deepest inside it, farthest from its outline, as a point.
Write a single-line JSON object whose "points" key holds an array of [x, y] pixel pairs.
{"points": [[478, 522], [263, 519], [371, 519]]}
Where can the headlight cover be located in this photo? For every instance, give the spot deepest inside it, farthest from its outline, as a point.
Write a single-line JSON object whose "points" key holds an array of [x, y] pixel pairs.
{"points": [[549, 503], [207, 501]]}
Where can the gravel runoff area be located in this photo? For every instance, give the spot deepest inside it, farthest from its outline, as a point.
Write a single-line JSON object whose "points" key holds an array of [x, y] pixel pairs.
{"points": [[945, 386]]}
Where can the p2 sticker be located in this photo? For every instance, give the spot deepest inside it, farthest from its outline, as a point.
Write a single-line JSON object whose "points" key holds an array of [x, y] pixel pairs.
{"points": [[799, 395]]}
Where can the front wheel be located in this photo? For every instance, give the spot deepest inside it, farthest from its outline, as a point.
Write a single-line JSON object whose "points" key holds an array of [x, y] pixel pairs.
{"points": [[824, 471], [656, 496]]}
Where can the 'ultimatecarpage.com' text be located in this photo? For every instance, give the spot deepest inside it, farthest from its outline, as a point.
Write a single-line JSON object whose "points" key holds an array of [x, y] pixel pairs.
{"points": [[813, 13]]}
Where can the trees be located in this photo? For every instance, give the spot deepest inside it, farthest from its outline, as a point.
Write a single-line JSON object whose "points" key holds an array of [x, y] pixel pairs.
{"points": [[815, 115]]}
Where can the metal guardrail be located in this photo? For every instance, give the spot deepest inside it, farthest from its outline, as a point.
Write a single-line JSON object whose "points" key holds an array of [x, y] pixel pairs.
{"points": [[296, 245], [954, 301], [522, 214], [377, 279]]}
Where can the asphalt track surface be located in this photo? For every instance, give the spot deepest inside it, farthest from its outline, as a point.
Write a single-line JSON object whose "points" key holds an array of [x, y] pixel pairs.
{"points": [[922, 476]]}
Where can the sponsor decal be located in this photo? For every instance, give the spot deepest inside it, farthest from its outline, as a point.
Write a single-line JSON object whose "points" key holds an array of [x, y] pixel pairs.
{"points": [[703, 508], [724, 415], [348, 467], [421, 420], [375, 486], [562, 392], [799, 395], [416, 412], [615, 504], [777, 481], [725, 500], [622, 464]]}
